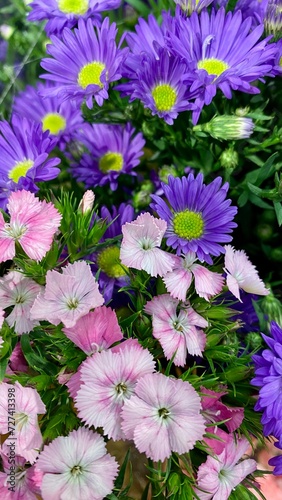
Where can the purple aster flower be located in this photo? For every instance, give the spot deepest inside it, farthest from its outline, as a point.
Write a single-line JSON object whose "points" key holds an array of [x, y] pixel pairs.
{"points": [[65, 13], [199, 218], [268, 371], [24, 150], [84, 62], [222, 52], [60, 118], [113, 150], [158, 83], [112, 274]]}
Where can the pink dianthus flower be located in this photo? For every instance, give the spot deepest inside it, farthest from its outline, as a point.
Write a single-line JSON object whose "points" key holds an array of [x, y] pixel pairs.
{"points": [[107, 380], [95, 331], [140, 246], [216, 411], [28, 406], [68, 295], [163, 416], [77, 467], [33, 224], [241, 273], [178, 281], [176, 330], [27, 480], [18, 291], [220, 474]]}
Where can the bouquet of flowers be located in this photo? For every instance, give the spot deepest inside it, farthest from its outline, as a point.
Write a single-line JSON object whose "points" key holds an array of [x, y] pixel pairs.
{"points": [[140, 275]]}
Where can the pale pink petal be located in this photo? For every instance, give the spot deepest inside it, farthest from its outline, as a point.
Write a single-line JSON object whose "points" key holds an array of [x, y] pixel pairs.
{"points": [[233, 286], [178, 282], [195, 341], [207, 283], [7, 244], [241, 273]]}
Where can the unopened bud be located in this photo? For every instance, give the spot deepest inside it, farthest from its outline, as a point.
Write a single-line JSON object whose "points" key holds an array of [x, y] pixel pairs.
{"points": [[165, 171], [242, 111], [273, 19], [142, 198], [272, 308], [236, 374], [228, 127], [229, 158], [174, 483], [87, 202]]}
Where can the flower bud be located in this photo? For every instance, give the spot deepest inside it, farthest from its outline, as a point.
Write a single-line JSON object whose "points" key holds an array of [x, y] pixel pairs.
{"points": [[229, 158], [174, 483], [272, 307], [87, 202], [242, 111], [238, 373], [142, 198], [165, 171], [273, 19], [228, 127]]}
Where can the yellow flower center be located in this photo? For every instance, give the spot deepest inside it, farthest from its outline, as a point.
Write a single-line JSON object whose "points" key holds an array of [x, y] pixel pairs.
{"points": [[20, 170], [111, 161], [164, 97], [54, 122], [213, 66], [109, 262], [280, 61], [90, 74], [188, 225], [78, 7]]}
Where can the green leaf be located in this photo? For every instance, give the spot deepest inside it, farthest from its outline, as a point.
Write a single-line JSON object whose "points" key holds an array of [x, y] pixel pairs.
{"points": [[267, 170], [120, 479], [3, 367], [35, 361], [278, 211], [243, 198]]}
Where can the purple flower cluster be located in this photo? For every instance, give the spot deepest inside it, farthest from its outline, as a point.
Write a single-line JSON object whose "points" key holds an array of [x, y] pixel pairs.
{"points": [[181, 64], [268, 371]]}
